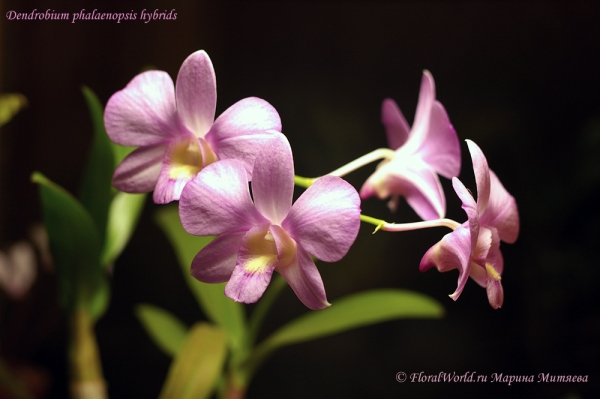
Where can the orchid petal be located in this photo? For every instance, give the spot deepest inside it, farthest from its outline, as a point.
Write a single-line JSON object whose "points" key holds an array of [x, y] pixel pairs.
{"points": [[453, 251], [245, 147], [481, 249], [181, 163], [256, 262], [304, 278], [248, 116], [215, 262], [501, 211], [495, 293], [396, 127], [482, 175], [441, 149], [470, 207], [426, 99], [218, 201], [144, 112], [413, 179], [273, 179], [196, 92], [325, 219], [139, 171]]}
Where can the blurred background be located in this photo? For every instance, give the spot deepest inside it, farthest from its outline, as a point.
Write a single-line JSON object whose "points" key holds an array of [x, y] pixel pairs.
{"points": [[521, 79]]}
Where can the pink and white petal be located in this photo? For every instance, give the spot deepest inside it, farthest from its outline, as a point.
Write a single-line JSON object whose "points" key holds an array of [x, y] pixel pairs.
{"points": [[494, 268], [482, 175], [139, 171], [304, 278], [419, 184], [501, 212], [478, 274], [495, 258], [248, 116], [495, 293], [273, 179], [426, 99], [325, 219], [144, 112], [196, 93], [470, 207], [396, 127], [183, 160], [255, 264], [451, 252], [215, 262], [244, 147], [441, 149], [375, 184], [218, 201], [482, 248], [248, 287]]}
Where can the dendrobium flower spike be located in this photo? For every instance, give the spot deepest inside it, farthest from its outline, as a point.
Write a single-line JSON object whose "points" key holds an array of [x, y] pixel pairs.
{"points": [[474, 247], [267, 234], [175, 129], [430, 148]]}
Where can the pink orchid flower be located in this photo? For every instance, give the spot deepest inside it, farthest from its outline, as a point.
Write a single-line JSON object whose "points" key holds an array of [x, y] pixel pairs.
{"points": [[175, 128], [262, 233], [474, 247], [431, 147]]}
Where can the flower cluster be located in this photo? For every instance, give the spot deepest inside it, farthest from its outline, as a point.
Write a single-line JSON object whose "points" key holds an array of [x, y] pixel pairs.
{"points": [[185, 154]]}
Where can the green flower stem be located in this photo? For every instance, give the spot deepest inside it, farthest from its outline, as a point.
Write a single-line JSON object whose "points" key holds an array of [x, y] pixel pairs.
{"points": [[381, 153], [263, 306], [393, 227], [304, 182], [87, 381]]}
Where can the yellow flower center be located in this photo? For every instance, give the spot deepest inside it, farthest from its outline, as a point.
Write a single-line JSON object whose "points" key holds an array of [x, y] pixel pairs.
{"points": [[492, 272], [263, 251], [188, 157]]}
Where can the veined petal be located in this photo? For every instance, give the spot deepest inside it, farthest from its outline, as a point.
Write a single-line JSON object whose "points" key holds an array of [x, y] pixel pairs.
{"points": [[144, 112], [420, 127], [482, 175], [215, 262], [248, 116], [482, 248], [196, 92], [325, 219], [495, 293], [396, 127], [470, 207], [440, 148], [416, 181], [139, 171], [501, 211], [304, 278], [256, 262], [426, 98], [273, 179], [218, 201], [181, 163], [245, 148], [453, 251]]}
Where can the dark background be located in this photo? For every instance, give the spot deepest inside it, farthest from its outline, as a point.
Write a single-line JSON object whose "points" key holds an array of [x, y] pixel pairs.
{"points": [[519, 78]]}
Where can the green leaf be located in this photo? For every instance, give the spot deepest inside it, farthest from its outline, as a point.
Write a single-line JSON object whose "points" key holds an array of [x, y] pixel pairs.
{"points": [[96, 189], [10, 104], [218, 308], [123, 215], [198, 365], [167, 332], [350, 312], [75, 245]]}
